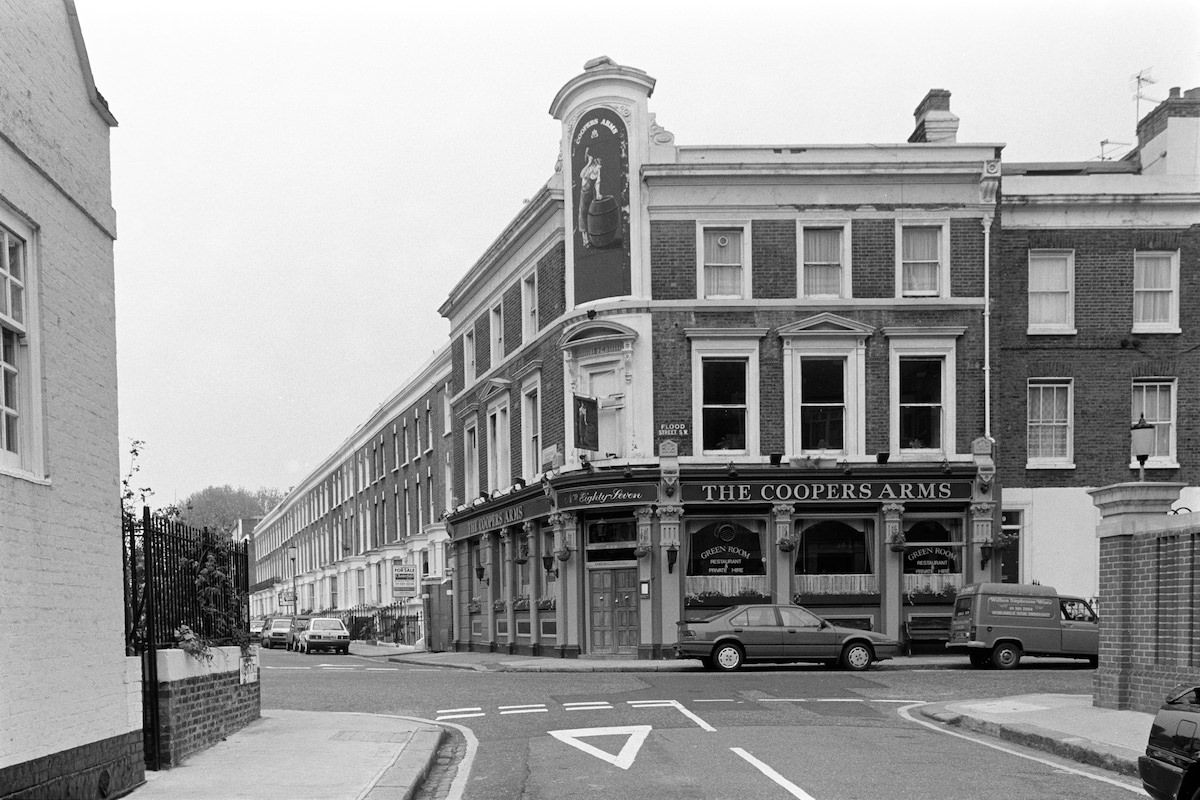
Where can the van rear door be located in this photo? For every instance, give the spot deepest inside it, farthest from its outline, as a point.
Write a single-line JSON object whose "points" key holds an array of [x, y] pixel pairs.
{"points": [[960, 623]]}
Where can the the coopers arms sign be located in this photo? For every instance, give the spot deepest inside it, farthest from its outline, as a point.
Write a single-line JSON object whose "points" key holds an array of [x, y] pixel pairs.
{"points": [[825, 491]]}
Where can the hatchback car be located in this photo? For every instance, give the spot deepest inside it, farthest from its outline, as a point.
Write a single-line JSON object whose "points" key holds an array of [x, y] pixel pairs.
{"points": [[1170, 770], [275, 631], [293, 635], [727, 638], [324, 633]]}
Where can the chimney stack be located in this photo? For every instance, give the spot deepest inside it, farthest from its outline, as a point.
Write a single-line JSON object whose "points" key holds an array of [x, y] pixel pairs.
{"points": [[935, 123]]}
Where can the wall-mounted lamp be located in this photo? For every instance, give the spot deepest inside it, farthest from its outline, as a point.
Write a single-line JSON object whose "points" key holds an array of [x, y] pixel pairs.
{"points": [[672, 557], [587, 464], [985, 555], [1141, 436], [731, 470], [776, 459], [882, 458], [628, 473], [946, 466], [548, 565], [481, 576], [846, 468]]}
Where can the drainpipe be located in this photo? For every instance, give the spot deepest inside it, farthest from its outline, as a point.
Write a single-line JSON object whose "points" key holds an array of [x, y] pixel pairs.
{"points": [[987, 324]]}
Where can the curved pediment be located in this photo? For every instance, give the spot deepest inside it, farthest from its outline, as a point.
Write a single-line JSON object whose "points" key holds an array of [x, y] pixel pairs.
{"points": [[825, 324], [594, 332]]}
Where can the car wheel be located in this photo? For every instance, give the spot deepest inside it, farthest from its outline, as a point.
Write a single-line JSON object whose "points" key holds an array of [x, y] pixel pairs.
{"points": [[979, 660], [1006, 655], [857, 656], [728, 656]]}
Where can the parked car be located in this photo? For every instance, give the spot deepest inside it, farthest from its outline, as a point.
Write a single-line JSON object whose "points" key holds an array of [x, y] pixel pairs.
{"points": [[256, 626], [997, 623], [727, 638], [275, 631], [293, 635], [1170, 769], [324, 633]]}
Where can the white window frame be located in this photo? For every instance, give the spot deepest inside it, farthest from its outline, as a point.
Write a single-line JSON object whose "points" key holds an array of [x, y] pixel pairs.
{"points": [[529, 307], [846, 284], [852, 351], [470, 460], [499, 445], [428, 425], [1067, 326], [23, 367], [726, 344], [531, 427], [470, 371], [904, 343], [744, 227], [1067, 461], [1171, 325], [1168, 460], [941, 223], [496, 325]]}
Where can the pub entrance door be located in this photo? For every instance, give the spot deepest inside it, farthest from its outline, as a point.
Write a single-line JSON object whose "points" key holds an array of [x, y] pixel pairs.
{"points": [[613, 611]]}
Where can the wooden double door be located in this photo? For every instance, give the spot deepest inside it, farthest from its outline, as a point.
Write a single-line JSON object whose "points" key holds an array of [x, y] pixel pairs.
{"points": [[613, 612]]}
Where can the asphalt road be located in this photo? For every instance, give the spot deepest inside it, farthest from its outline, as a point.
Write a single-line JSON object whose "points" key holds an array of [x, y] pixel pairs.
{"points": [[779, 732]]}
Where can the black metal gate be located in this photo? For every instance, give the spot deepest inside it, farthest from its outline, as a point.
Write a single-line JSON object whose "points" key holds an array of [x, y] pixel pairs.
{"points": [[178, 576]]}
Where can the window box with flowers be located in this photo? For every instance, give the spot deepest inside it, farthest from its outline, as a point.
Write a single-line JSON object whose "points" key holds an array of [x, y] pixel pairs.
{"points": [[546, 604], [474, 606], [521, 602], [499, 605]]}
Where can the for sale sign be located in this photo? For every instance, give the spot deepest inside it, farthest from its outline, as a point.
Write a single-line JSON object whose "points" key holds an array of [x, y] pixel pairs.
{"points": [[404, 579]]}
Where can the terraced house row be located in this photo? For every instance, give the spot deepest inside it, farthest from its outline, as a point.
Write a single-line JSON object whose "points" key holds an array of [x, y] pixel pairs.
{"points": [[852, 376]]}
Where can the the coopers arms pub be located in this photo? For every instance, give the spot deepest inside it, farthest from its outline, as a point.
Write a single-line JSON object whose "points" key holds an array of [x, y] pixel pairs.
{"points": [[692, 377]]}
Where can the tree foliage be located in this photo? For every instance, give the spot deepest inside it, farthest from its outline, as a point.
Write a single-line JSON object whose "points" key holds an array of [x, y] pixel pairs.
{"points": [[218, 508]]}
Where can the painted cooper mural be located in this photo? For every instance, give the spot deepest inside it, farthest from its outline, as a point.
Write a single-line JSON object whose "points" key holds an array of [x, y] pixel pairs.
{"points": [[600, 192]]}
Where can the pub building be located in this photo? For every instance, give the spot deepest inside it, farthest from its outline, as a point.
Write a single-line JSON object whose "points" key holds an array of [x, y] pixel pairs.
{"points": [[605, 562], [688, 377]]}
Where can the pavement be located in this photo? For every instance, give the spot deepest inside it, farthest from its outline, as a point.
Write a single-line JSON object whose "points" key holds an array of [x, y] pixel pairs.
{"points": [[285, 754]]}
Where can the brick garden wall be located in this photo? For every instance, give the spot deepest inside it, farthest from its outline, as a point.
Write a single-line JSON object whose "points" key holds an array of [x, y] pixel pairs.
{"points": [[200, 707], [1149, 610]]}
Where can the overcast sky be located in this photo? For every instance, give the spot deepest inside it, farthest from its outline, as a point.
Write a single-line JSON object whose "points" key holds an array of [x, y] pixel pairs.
{"points": [[299, 184]]}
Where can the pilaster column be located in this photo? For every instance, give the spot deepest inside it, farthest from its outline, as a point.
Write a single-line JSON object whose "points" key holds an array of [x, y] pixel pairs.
{"points": [[785, 540]]}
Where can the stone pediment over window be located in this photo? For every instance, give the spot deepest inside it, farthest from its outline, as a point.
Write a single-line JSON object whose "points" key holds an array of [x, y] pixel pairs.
{"points": [[492, 387], [594, 338], [825, 325]]}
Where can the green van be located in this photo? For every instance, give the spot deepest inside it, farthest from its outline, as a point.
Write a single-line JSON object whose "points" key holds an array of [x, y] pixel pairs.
{"points": [[997, 623]]}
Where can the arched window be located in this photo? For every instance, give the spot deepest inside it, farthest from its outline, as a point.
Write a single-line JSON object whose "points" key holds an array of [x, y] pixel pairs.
{"points": [[833, 547]]}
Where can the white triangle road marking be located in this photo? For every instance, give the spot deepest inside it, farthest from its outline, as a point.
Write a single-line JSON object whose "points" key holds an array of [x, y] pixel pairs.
{"points": [[636, 735]]}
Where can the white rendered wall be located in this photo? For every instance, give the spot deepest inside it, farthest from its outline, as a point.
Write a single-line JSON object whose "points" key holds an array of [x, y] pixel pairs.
{"points": [[64, 677]]}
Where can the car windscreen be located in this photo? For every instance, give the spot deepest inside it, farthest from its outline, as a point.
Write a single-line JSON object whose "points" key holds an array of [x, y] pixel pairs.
{"points": [[280, 625], [327, 625]]}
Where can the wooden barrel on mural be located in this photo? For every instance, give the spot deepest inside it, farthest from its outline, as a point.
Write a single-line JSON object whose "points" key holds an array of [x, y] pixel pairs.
{"points": [[603, 221]]}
